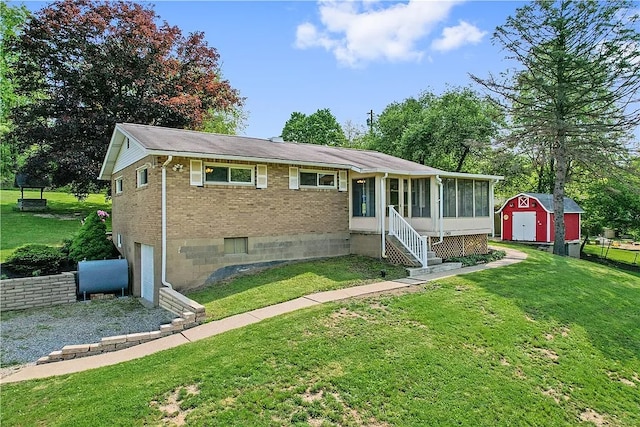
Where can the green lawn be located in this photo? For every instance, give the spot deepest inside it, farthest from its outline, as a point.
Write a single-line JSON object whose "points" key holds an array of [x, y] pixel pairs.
{"points": [[620, 255], [49, 227], [550, 341], [289, 282]]}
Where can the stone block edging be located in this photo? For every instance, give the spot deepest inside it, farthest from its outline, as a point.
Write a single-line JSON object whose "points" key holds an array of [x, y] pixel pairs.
{"points": [[117, 342]]}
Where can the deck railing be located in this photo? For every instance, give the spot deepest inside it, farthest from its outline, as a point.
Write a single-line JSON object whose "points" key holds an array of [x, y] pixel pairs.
{"points": [[410, 238]]}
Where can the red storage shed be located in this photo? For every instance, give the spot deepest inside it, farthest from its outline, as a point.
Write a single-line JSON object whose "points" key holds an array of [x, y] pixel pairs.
{"points": [[529, 217]]}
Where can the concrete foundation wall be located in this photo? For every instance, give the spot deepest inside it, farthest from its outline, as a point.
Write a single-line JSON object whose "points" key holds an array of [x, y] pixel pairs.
{"points": [[193, 261], [367, 244]]}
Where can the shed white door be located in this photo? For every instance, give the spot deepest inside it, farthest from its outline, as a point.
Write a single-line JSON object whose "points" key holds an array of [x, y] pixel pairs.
{"points": [[524, 226], [146, 272]]}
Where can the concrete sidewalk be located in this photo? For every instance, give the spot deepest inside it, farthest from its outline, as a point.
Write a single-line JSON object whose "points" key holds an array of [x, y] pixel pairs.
{"points": [[238, 321]]}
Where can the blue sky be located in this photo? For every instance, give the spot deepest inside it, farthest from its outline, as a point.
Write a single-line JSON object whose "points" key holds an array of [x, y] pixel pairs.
{"points": [[358, 56], [350, 57]]}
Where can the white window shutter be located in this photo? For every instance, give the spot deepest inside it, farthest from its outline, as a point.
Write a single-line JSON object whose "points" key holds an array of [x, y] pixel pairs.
{"points": [[293, 178], [342, 181], [195, 172], [261, 176]]}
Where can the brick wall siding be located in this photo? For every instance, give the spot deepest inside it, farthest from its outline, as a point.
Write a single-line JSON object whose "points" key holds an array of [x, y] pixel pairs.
{"points": [[42, 291], [136, 216], [279, 223]]}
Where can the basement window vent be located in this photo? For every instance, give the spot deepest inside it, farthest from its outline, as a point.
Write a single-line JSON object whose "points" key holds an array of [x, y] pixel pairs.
{"points": [[236, 245]]}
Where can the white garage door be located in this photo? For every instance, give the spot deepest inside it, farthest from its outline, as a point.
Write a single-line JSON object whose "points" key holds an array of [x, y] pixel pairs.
{"points": [[146, 272], [524, 226]]}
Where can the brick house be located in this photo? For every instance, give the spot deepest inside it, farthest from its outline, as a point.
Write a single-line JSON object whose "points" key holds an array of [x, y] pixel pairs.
{"points": [[187, 204]]}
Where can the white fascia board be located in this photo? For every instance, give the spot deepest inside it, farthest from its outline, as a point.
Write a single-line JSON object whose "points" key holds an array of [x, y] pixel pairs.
{"points": [[113, 152], [110, 158], [442, 174], [251, 159], [471, 176]]}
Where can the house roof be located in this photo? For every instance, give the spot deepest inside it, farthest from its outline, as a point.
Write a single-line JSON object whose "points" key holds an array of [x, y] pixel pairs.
{"points": [[546, 201], [186, 143]]}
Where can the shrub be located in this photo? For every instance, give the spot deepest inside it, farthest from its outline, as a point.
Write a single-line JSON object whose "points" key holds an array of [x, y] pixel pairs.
{"points": [[470, 260], [34, 260], [91, 242]]}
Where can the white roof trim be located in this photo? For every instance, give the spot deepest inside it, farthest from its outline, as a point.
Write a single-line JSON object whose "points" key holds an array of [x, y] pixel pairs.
{"points": [[115, 145]]}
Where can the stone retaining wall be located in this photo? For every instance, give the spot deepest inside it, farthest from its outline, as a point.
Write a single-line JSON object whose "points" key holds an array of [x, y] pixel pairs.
{"points": [[118, 342], [175, 302], [40, 291]]}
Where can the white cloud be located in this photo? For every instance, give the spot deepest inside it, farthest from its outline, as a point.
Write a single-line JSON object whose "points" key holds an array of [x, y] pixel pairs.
{"points": [[358, 32], [455, 37]]}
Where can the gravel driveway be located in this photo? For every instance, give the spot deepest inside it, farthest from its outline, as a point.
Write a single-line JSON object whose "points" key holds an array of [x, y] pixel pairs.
{"points": [[30, 334]]}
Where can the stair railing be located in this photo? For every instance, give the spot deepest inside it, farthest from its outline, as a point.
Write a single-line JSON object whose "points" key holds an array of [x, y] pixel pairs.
{"points": [[410, 238]]}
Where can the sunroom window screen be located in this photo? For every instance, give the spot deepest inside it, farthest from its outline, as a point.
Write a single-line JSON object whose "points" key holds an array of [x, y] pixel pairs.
{"points": [[465, 198], [421, 198], [364, 197]]}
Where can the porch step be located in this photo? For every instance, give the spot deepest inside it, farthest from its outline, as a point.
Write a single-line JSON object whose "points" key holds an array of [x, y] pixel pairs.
{"points": [[438, 268]]}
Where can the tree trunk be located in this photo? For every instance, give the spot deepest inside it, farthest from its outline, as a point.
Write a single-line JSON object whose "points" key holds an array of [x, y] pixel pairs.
{"points": [[465, 151], [558, 193], [584, 242]]}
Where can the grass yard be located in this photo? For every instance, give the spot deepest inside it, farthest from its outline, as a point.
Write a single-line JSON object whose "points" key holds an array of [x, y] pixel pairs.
{"points": [[615, 254], [49, 227], [550, 341], [291, 281]]}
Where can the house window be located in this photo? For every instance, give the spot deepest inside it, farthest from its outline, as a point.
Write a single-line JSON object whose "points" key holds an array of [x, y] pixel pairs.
{"points": [[142, 176], [465, 198], [481, 198], [118, 185], [449, 196], [228, 174], [421, 198], [470, 197], [321, 179], [393, 194], [363, 197], [236, 245]]}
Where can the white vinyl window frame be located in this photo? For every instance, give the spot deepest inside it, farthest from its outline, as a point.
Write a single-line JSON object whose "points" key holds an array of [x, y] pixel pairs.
{"points": [[142, 176], [230, 167], [119, 185], [318, 174]]}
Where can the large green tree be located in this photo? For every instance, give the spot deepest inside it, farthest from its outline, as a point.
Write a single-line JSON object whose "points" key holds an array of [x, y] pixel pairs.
{"points": [[320, 127], [451, 131], [12, 19], [96, 63], [575, 86], [614, 202]]}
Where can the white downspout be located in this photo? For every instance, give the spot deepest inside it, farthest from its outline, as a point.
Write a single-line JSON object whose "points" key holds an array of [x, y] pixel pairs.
{"points": [[383, 213], [164, 222], [440, 210], [492, 214]]}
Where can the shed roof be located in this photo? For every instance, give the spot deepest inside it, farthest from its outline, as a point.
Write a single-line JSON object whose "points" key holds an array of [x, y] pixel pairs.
{"points": [[179, 142], [546, 201]]}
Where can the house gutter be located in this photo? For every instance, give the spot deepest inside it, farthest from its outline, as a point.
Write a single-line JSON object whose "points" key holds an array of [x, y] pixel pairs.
{"points": [[383, 213], [164, 222], [440, 211]]}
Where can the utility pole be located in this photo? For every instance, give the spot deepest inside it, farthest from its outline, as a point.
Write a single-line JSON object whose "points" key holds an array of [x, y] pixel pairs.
{"points": [[370, 120]]}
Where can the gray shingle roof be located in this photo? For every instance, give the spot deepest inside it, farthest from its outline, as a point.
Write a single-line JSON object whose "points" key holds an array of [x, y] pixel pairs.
{"points": [[547, 202], [178, 142]]}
